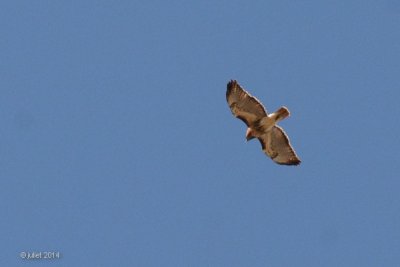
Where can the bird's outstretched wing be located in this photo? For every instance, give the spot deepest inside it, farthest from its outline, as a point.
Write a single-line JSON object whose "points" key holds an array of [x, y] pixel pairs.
{"points": [[276, 145], [243, 105]]}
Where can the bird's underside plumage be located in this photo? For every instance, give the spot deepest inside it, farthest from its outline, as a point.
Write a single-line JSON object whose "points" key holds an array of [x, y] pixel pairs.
{"points": [[273, 139]]}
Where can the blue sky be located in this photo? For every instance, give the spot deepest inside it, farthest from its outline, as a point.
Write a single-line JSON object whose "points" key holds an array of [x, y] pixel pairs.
{"points": [[117, 147]]}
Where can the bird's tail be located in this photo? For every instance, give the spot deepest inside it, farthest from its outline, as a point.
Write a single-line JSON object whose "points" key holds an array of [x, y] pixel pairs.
{"points": [[280, 114]]}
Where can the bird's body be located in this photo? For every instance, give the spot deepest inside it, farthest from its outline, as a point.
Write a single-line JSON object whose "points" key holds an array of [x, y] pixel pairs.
{"points": [[265, 124], [260, 125]]}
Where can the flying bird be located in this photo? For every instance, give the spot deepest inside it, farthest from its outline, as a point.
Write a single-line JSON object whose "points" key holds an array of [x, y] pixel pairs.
{"points": [[261, 125]]}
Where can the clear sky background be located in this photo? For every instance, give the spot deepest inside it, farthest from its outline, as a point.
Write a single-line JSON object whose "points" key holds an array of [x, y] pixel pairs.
{"points": [[117, 146]]}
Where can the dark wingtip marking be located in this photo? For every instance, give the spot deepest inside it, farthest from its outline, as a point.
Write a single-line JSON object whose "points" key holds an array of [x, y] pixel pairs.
{"points": [[294, 162], [229, 87], [231, 84]]}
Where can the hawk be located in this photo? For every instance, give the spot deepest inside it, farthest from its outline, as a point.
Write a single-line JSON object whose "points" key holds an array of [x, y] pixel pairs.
{"points": [[261, 125]]}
